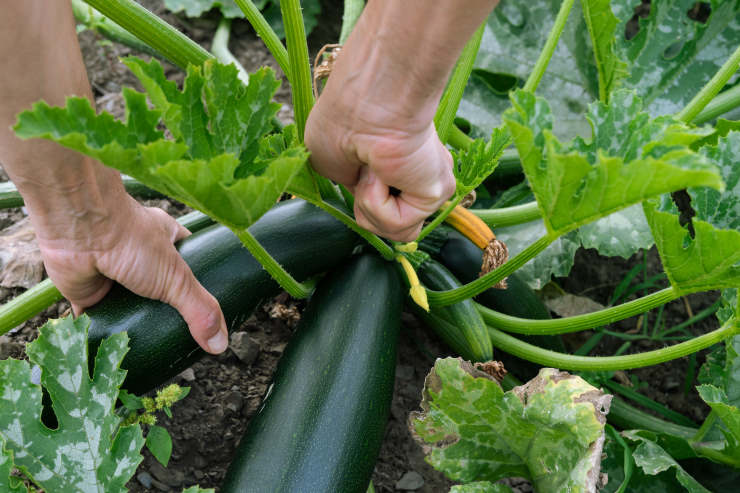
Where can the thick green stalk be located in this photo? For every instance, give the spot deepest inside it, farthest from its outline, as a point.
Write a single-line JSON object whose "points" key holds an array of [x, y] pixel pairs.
{"points": [[474, 288], [711, 89], [28, 304], [508, 216], [578, 322], [264, 31], [453, 93], [441, 216], [220, 48], [545, 357], [93, 20], [547, 51], [382, 247], [352, 11], [458, 139], [300, 67], [277, 271], [153, 31], [628, 417], [721, 104], [705, 426]]}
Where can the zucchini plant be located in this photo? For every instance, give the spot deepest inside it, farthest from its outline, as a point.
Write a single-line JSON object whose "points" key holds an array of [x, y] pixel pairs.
{"points": [[608, 115]]}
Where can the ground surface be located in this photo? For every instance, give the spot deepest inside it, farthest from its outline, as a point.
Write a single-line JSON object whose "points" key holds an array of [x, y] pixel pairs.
{"points": [[226, 391]]}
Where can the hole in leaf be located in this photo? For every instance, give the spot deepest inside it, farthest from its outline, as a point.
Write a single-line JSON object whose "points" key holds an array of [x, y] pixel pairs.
{"points": [[673, 50], [463, 125], [682, 199], [632, 27], [498, 83], [700, 12]]}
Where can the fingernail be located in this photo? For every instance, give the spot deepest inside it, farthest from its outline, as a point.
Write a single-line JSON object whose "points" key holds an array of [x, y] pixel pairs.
{"points": [[219, 342]]}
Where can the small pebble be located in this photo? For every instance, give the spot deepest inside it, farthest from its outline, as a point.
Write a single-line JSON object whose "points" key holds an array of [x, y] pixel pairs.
{"points": [[410, 481], [188, 375], [244, 347], [145, 479]]}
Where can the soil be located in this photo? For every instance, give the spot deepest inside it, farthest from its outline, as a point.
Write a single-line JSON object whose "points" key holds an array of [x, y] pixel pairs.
{"points": [[226, 392]]}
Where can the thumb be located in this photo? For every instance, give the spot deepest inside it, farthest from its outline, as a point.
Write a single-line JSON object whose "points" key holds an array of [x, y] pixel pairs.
{"points": [[198, 307]]}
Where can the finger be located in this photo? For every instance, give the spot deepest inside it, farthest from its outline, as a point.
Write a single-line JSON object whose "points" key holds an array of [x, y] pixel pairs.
{"points": [[198, 308], [175, 230], [390, 216]]}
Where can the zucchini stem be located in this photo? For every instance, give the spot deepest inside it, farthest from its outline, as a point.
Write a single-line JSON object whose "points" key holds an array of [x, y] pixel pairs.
{"points": [[449, 206], [509, 216], [474, 288], [352, 11], [220, 48], [152, 30], [447, 109], [721, 104], [578, 322], [273, 267], [545, 357], [267, 35], [300, 69], [547, 51], [711, 89]]}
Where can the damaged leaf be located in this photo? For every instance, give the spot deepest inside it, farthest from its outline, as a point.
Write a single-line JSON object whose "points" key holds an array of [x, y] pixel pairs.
{"points": [[550, 430]]}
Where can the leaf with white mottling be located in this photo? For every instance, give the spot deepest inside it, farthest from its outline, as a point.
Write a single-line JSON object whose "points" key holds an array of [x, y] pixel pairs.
{"points": [[556, 260], [629, 159], [653, 459], [621, 233], [711, 258], [217, 161], [481, 487], [8, 483], [550, 430], [88, 452]]}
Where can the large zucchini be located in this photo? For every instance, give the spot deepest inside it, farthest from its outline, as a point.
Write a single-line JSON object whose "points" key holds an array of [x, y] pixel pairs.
{"points": [[322, 423], [297, 234]]}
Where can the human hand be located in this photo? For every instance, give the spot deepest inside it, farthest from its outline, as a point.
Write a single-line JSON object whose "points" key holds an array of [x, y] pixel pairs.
{"points": [[134, 246], [369, 155]]}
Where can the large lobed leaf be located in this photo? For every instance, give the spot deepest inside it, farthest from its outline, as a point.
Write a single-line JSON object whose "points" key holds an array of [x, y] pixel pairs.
{"points": [[8, 483], [216, 162], [550, 430], [88, 451], [629, 159], [710, 259]]}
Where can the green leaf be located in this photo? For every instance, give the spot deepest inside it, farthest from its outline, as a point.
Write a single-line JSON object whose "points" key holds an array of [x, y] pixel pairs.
{"points": [[556, 260], [474, 164], [197, 489], [721, 129], [88, 451], [130, 401], [621, 233], [9, 483], [311, 10], [672, 56], [514, 36], [711, 259], [159, 443], [481, 487], [728, 413], [216, 162], [653, 459], [549, 430], [630, 158], [602, 26], [195, 8]]}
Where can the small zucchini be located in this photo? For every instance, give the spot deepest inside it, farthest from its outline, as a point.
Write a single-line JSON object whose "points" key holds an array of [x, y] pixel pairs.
{"points": [[470, 339]]}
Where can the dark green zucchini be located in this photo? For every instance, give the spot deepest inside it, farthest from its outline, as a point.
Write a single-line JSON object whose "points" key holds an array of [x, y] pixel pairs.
{"points": [[297, 234], [323, 420], [470, 338], [464, 259]]}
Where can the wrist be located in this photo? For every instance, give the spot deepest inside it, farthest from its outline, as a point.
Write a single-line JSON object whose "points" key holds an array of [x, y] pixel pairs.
{"points": [[77, 204]]}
